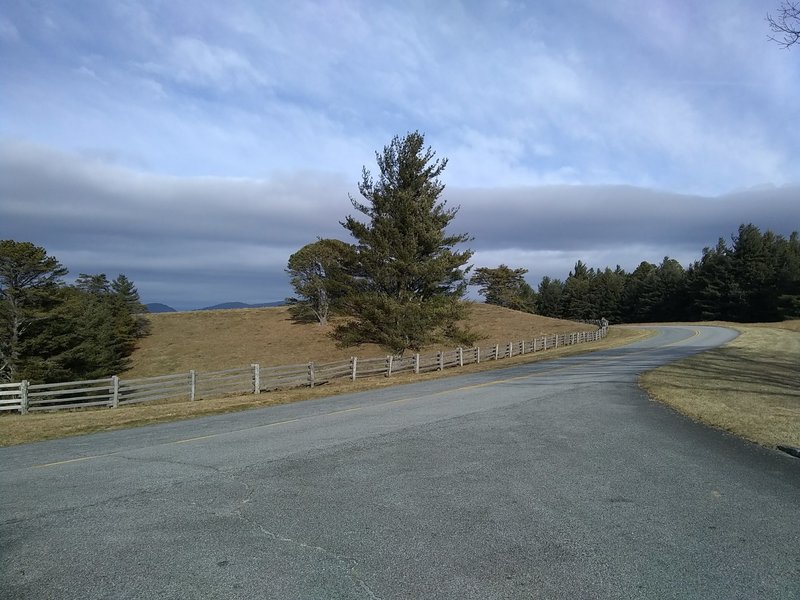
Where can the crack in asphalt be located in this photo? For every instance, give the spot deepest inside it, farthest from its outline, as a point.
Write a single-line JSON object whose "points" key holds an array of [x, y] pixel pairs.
{"points": [[167, 462], [350, 563]]}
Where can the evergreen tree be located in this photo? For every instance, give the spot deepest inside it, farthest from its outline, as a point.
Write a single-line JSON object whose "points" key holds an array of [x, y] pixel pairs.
{"points": [[754, 267], [97, 285], [408, 279], [127, 294], [713, 289], [85, 337], [505, 287], [29, 287], [577, 299], [318, 275], [655, 292], [788, 276], [672, 279], [548, 300], [642, 294], [50, 332], [606, 293]]}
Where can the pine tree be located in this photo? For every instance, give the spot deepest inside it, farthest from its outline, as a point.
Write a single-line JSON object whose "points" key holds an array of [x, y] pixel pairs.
{"points": [[408, 277], [127, 294], [577, 301], [754, 266], [606, 293], [672, 279], [642, 294], [548, 300], [97, 285], [712, 286], [788, 276], [505, 287], [29, 286], [84, 338]]}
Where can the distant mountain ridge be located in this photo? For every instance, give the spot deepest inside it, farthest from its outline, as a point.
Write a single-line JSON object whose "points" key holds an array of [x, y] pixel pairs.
{"points": [[158, 307], [228, 305]]}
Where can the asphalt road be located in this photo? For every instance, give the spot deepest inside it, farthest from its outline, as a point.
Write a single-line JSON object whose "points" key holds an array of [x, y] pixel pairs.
{"points": [[552, 480]]}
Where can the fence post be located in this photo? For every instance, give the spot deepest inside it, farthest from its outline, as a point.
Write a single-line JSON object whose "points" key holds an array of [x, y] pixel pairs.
{"points": [[556, 345], [440, 359], [353, 363], [114, 391], [478, 355], [496, 350], [509, 350], [311, 374], [256, 378], [460, 356], [522, 344], [23, 397], [389, 360], [192, 384], [416, 363]]}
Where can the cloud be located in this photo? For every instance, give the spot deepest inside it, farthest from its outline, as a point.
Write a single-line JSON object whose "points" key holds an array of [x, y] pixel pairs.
{"points": [[584, 218], [676, 96], [192, 61]]}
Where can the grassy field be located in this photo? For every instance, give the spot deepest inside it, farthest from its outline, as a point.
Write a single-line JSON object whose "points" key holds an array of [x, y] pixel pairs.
{"points": [[225, 339], [749, 387], [503, 324]]}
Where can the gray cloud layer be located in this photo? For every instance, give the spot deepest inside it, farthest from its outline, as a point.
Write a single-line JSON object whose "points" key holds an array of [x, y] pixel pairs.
{"points": [[196, 241]]}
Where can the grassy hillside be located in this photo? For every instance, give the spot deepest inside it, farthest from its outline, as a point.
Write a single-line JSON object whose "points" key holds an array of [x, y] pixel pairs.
{"points": [[221, 339], [750, 386]]}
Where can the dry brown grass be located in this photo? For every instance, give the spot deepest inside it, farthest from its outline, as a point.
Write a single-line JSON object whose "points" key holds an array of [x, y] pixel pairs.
{"points": [[225, 339], [750, 386], [18, 429]]}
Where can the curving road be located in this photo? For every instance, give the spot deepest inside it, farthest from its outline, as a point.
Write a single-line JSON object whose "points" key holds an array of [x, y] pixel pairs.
{"points": [[557, 479]]}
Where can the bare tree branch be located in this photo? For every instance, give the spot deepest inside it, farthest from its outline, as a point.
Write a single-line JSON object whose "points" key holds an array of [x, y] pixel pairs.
{"points": [[786, 24]]}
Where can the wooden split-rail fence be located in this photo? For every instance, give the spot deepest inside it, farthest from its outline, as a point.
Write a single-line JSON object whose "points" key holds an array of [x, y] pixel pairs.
{"points": [[113, 391]]}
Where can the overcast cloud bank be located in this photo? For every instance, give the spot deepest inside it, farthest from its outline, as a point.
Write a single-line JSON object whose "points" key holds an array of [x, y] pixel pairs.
{"points": [[197, 241]]}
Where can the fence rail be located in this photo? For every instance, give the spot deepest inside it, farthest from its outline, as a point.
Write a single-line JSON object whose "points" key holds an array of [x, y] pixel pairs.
{"points": [[254, 379]]}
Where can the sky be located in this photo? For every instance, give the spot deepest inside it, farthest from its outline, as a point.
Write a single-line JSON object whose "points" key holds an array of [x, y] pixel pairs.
{"points": [[194, 146]]}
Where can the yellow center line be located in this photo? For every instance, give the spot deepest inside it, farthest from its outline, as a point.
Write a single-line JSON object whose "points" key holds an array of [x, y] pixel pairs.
{"points": [[695, 333], [363, 406], [72, 460]]}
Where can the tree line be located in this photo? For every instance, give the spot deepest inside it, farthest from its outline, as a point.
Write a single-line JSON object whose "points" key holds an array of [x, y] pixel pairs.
{"points": [[755, 277], [51, 331]]}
